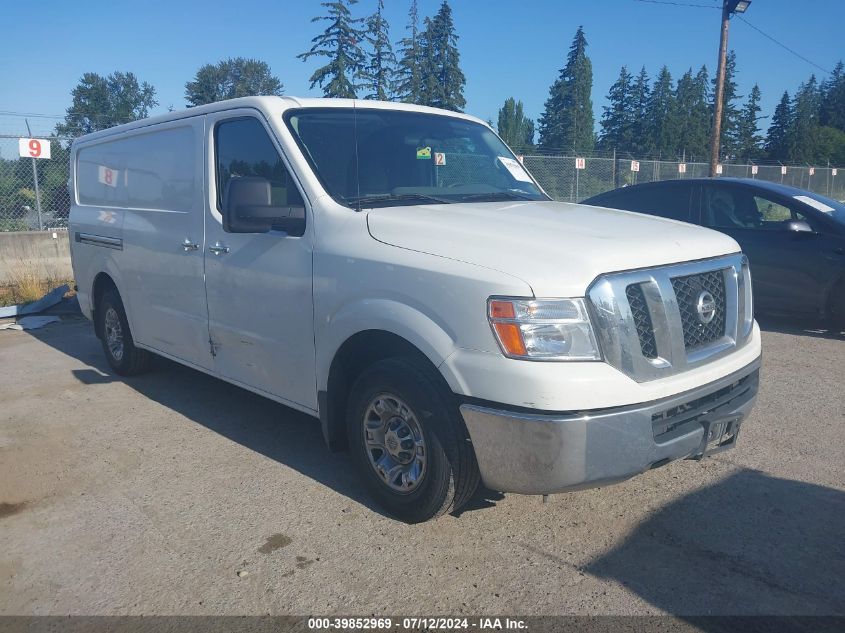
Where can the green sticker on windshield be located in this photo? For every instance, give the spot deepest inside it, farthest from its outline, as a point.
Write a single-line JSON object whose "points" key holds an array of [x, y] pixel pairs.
{"points": [[423, 153]]}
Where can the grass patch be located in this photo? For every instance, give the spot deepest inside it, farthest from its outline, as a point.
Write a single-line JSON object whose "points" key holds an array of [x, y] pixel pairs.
{"points": [[28, 282]]}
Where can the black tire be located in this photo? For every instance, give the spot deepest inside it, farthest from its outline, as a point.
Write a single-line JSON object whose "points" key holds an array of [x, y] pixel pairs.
{"points": [[450, 475], [128, 360]]}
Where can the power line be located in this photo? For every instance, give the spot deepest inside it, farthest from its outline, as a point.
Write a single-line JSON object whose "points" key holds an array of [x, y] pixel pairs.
{"points": [[30, 114], [782, 45], [680, 4]]}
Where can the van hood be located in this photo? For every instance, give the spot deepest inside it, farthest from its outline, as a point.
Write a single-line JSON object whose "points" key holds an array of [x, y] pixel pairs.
{"points": [[557, 248]]}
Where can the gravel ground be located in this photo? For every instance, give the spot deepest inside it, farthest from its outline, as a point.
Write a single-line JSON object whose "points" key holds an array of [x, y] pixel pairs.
{"points": [[176, 493]]}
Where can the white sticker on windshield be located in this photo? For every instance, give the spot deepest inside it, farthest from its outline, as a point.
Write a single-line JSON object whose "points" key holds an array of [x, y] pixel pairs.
{"points": [[821, 206], [515, 169]]}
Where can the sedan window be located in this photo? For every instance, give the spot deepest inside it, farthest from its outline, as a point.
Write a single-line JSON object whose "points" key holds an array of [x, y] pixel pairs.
{"points": [[737, 208]]}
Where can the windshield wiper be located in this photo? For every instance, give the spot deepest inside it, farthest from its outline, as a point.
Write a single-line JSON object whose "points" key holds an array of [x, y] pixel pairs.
{"points": [[360, 201], [496, 195]]}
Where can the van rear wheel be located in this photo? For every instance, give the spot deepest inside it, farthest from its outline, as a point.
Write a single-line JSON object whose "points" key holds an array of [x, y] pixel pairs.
{"points": [[409, 442], [122, 355]]}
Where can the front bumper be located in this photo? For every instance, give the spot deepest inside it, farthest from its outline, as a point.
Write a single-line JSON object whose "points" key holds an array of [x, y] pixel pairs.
{"points": [[533, 453]]}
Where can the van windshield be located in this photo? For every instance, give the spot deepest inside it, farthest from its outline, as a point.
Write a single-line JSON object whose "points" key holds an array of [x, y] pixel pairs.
{"points": [[373, 157]]}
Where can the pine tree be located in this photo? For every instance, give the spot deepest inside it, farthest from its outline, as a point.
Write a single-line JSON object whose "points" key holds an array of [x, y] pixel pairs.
{"points": [[730, 112], [703, 114], [777, 138], [747, 137], [443, 80], [514, 127], [430, 91], [617, 122], [683, 113], [805, 121], [378, 73], [659, 112], [640, 93], [832, 108], [567, 121], [340, 42], [409, 87]]}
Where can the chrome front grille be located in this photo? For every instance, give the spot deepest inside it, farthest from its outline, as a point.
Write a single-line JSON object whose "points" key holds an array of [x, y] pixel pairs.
{"points": [[642, 320], [657, 322], [688, 291]]}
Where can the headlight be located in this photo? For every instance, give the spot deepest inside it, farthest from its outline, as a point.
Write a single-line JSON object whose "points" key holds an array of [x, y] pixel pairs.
{"points": [[543, 329]]}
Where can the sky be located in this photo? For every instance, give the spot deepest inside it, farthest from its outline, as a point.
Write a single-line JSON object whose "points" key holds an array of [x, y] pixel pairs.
{"points": [[507, 48]]}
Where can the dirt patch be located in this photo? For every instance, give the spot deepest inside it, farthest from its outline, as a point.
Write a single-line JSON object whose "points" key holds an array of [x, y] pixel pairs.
{"points": [[274, 542], [8, 509]]}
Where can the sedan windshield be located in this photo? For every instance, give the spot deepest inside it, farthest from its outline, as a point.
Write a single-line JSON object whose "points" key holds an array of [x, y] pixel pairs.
{"points": [[372, 157]]}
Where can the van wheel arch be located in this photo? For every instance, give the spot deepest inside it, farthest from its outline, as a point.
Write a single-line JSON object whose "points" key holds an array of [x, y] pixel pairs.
{"points": [[357, 353], [102, 283]]}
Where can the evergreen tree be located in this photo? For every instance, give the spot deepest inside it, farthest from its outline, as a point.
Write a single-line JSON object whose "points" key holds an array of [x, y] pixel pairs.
{"points": [[777, 138], [703, 114], [378, 74], [230, 78], [429, 85], [683, 113], [340, 42], [514, 127], [617, 122], [103, 102], [659, 113], [410, 85], [805, 121], [832, 108], [730, 112], [443, 80], [747, 137], [640, 93], [691, 114], [567, 120]]}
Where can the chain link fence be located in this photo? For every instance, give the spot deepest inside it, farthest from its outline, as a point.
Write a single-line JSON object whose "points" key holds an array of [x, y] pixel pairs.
{"points": [[33, 191], [562, 180], [27, 207]]}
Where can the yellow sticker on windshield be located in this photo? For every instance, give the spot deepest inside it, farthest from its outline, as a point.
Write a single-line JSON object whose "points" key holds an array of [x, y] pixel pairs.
{"points": [[423, 153]]}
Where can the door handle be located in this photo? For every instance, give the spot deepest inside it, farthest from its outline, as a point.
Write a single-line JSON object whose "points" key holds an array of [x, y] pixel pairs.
{"points": [[219, 249], [188, 245]]}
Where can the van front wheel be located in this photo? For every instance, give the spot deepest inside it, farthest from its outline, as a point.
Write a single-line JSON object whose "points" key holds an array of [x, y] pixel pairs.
{"points": [[409, 442], [122, 355]]}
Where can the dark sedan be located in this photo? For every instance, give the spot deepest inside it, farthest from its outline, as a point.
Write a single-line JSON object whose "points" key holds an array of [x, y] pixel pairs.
{"points": [[794, 239]]}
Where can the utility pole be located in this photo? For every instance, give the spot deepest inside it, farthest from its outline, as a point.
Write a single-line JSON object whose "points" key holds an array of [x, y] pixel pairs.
{"points": [[729, 7]]}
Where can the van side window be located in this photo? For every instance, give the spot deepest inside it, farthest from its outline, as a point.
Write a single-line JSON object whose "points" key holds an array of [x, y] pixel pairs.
{"points": [[151, 170], [243, 148]]}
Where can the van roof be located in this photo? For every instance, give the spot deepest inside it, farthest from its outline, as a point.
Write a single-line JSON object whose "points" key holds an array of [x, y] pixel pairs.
{"points": [[268, 105]]}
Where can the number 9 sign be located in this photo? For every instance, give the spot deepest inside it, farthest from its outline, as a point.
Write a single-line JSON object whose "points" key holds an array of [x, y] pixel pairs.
{"points": [[34, 148]]}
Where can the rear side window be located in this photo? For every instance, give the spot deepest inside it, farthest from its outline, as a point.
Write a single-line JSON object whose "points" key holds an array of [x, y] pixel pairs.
{"points": [[244, 148], [668, 202], [154, 170]]}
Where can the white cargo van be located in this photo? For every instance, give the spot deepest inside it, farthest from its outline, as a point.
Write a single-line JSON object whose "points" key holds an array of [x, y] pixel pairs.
{"points": [[395, 271]]}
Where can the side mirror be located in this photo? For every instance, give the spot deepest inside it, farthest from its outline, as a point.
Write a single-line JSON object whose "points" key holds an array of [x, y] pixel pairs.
{"points": [[247, 208], [798, 226]]}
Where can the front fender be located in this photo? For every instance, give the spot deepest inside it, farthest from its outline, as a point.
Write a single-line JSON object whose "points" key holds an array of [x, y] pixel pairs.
{"points": [[419, 329]]}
